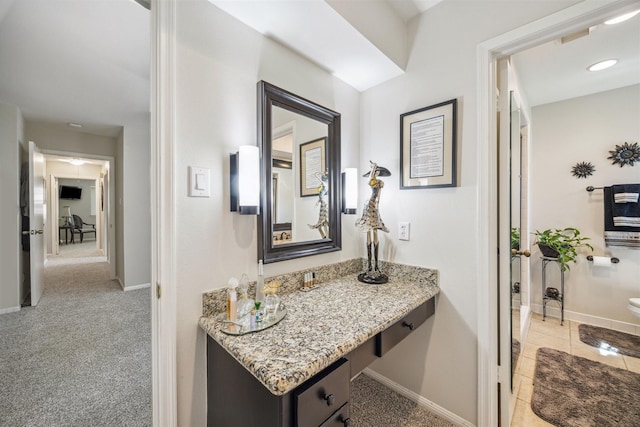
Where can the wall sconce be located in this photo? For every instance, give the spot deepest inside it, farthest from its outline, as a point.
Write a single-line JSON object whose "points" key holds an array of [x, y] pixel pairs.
{"points": [[244, 168], [349, 191]]}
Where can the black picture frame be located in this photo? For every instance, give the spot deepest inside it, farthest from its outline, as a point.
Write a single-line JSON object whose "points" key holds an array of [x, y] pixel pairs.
{"points": [[318, 147], [428, 147]]}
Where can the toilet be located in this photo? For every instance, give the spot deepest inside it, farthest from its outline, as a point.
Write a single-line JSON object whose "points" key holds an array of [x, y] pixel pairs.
{"points": [[634, 306]]}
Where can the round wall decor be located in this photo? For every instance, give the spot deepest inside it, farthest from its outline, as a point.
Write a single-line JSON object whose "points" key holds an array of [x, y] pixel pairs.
{"points": [[625, 154], [583, 169]]}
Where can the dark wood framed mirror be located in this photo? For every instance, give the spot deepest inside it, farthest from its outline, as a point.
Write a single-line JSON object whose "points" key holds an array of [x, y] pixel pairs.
{"points": [[289, 195]]}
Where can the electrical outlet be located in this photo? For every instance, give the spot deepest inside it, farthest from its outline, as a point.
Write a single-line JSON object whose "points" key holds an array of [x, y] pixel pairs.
{"points": [[403, 230]]}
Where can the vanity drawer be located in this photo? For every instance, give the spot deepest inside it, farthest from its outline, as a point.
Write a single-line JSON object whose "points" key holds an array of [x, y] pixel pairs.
{"points": [[339, 419], [323, 395], [362, 356], [395, 333]]}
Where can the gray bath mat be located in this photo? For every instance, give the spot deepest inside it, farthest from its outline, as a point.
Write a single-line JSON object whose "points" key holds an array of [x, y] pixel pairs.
{"points": [[571, 391], [624, 343]]}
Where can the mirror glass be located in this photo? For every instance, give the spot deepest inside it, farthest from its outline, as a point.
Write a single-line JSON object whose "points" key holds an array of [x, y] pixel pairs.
{"points": [[300, 172]]}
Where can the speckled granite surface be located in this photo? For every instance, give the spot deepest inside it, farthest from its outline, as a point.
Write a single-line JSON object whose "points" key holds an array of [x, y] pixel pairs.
{"points": [[215, 301], [322, 325]]}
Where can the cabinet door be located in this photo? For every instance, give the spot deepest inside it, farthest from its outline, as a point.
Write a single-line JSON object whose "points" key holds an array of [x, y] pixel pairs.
{"points": [[395, 333], [323, 395], [340, 418]]}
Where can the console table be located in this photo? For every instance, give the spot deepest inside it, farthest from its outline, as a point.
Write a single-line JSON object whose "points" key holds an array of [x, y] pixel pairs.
{"points": [[298, 372], [66, 228]]}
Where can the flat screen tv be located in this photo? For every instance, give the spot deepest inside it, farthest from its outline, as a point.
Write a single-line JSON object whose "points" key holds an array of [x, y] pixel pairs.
{"points": [[69, 192]]}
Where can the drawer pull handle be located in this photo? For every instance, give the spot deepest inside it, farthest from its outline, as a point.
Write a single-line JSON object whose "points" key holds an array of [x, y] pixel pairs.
{"points": [[408, 325], [330, 399], [345, 421]]}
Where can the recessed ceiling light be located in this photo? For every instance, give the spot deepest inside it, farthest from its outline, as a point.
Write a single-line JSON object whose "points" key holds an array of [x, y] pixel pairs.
{"points": [[622, 18], [74, 125], [76, 162], [598, 66]]}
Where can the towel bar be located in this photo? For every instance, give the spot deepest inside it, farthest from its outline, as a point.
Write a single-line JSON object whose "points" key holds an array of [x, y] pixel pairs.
{"points": [[613, 259], [591, 188]]}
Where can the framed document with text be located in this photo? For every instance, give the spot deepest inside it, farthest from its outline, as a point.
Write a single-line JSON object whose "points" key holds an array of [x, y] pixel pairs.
{"points": [[428, 147], [312, 162]]}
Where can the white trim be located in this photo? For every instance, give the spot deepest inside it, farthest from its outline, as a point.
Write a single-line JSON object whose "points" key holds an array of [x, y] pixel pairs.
{"points": [[9, 310], [583, 14], [420, 400], [119, 281], [163, 255], [136, 287], [553, 312]]}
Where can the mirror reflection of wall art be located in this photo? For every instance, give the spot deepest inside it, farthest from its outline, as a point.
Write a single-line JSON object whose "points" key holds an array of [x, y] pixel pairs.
{"points": [[583, 169], [625, 154], [312, 165], [322, 225], [428, 147]]}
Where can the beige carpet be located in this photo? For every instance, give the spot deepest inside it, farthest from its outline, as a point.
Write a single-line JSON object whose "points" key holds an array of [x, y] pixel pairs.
{"points": [[82, 357], [374, 405]]}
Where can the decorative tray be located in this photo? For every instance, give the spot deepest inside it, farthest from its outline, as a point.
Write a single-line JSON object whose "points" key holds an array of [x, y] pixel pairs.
{"points": [[244, 325]]}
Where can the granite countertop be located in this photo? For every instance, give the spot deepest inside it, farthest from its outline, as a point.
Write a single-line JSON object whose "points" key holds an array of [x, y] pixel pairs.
{"points": [[321, 326]]}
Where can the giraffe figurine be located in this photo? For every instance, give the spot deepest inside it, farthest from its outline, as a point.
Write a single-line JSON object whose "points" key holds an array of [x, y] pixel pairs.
{"points": [[370, 222], [322, 225]]}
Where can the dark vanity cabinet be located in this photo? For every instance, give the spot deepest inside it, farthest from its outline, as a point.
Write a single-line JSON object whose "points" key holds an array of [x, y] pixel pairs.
{"points": [[237, 399]]}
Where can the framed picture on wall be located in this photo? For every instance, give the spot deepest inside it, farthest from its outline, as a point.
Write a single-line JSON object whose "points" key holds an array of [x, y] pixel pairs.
{"points": [[313, 163], [428, 147]]}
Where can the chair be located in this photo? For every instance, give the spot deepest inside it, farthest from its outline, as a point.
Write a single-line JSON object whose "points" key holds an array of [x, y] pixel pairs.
{"points": [[79, 227]]}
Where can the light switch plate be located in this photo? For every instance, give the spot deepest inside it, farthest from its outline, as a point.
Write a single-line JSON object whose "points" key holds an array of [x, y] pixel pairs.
{"points": [[199, 182], [404, 229]]}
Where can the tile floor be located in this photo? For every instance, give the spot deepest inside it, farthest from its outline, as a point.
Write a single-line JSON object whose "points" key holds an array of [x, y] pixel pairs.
{"points": [[566, 338]]}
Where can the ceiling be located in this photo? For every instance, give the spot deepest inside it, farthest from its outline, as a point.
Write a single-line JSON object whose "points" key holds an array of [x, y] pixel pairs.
{"points": [[555, 71], [81, 61], [87, 61]]}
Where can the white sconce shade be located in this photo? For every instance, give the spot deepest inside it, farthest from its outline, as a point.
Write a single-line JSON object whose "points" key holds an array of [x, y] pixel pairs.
{"points": [[349, 191], [245, 180]]}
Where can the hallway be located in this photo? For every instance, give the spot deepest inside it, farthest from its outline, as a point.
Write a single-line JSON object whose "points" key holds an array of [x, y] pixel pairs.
{"points": [[82, 357]]}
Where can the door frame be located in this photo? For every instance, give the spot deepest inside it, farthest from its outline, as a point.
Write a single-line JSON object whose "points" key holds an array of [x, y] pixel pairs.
{"points": [[110, 213], [571, 19], [163, 254]]}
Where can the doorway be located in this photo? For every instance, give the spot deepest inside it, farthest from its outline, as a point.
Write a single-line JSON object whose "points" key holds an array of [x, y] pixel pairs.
{"points": [[494, 401]]}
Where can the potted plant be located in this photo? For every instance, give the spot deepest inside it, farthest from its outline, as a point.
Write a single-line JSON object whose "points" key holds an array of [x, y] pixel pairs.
{"points": [[515, 238], [561, 244]]}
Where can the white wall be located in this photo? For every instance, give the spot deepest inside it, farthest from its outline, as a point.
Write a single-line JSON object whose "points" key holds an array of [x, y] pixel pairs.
{"points": [[11, 132], [53, 137], [135, 202], [219, 62], [119, 220], [584, 130], [439, 361]]}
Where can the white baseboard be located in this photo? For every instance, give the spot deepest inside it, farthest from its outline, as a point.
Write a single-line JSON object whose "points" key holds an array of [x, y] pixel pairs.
{"points": [[9, 310], [420, 400], [133, 288], [603, 322]]}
